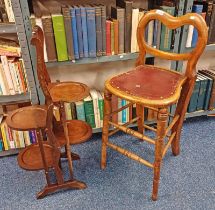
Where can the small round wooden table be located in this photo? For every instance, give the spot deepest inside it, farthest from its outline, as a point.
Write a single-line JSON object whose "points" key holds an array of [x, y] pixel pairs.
{"points": [[45, 155]]}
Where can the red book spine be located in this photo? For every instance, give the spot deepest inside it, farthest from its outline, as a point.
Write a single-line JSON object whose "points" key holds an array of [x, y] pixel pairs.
{"points": [[108, 37], [114, 105]]}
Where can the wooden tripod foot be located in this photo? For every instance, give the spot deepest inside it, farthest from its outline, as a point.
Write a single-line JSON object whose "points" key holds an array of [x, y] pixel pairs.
{"points": [[72, 184], [73, 155]]}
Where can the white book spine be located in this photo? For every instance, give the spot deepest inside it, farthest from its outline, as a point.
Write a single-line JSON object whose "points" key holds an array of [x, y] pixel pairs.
{"points": [[2, 82], [39, 23], [21, 88], [9, 10], [13, 76], [21, 139], [94, 96], [7, 74], [189, 36], [150, 32], [135, 18], [141, 14]]}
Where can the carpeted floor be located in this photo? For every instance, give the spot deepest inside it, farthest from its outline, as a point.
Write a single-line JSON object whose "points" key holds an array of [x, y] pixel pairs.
{"points": [[187, 181]]}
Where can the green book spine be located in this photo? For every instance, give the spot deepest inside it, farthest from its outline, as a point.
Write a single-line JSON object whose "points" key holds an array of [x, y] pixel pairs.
{"points": [[202, 95], [194, 97], [166, 34], [89, 112], [112, 37], [80, 111], [208, 93], [101, 109], [60, 37]]}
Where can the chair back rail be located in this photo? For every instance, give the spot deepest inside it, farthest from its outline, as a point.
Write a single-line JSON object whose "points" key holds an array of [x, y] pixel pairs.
{"points": [[172, 23]]}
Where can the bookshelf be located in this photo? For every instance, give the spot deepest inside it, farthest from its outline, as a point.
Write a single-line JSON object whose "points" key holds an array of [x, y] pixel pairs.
{"points": [[18, 98], [111, 58], [7, 28], [23, 29]]}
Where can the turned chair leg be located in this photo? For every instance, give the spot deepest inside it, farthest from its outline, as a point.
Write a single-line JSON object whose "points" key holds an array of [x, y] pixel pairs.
{"points": [[107, 111], [161, 128], [181, 111], [140, 114]]}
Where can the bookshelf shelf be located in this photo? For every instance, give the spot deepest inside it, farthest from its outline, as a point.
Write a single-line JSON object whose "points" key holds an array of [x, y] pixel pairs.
{"points": [[210, 47], [122, 57], [8, 28], [15, 98], [9, 152], [199, 113]]}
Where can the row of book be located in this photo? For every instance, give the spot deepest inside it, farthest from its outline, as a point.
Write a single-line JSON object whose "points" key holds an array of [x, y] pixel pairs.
{"points": [[6, 12], [74, 32], [13, 78], [207, 10], [11, 139], [203, 97]]}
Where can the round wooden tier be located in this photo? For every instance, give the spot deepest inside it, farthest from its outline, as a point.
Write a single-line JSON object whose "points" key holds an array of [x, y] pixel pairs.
{"points": [[79, 132], [30, 157], [68, 91], [27, 118]]}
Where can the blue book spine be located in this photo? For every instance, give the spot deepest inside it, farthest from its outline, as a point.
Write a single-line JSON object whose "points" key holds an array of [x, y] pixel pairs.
{"points": [[1, 145], [197, 9], [84, 31], [91, 29], [194, 97], [155, 33], [208, 93], [123, 111], [80, 112], [75, 33], [202, 94], [79, 31]]}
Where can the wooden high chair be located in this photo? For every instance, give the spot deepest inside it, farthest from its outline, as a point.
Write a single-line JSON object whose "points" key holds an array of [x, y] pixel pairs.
{"points": [[155, 88]]}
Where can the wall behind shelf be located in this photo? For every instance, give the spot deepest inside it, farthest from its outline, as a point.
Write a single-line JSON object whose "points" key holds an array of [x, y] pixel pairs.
{"points": [[94, 75]]}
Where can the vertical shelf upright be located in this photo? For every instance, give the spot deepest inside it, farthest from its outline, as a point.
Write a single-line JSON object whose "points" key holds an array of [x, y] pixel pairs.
{"points": [[23, 31]]}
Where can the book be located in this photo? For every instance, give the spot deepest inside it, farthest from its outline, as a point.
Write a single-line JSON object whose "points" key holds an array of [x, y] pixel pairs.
{"points": [[112, 37], [116, 36], [38, 21], [9, 10], [119, 14], [101, 107], [89, 111], [49, 38], [60, 37], [103, 19], [211, 33], [127, 5], [68, 30], [208, 90], [7, 74], [74, 32], [202, 92], [150, 32], [84, 31], [194, 97], [91, 28], [108, 37], [135, 19], [79, 31], [211, 74], [68, 111], [80, 110], [98, 30], [197, 8], [95, 98], [3, 82], [166, 34]]}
